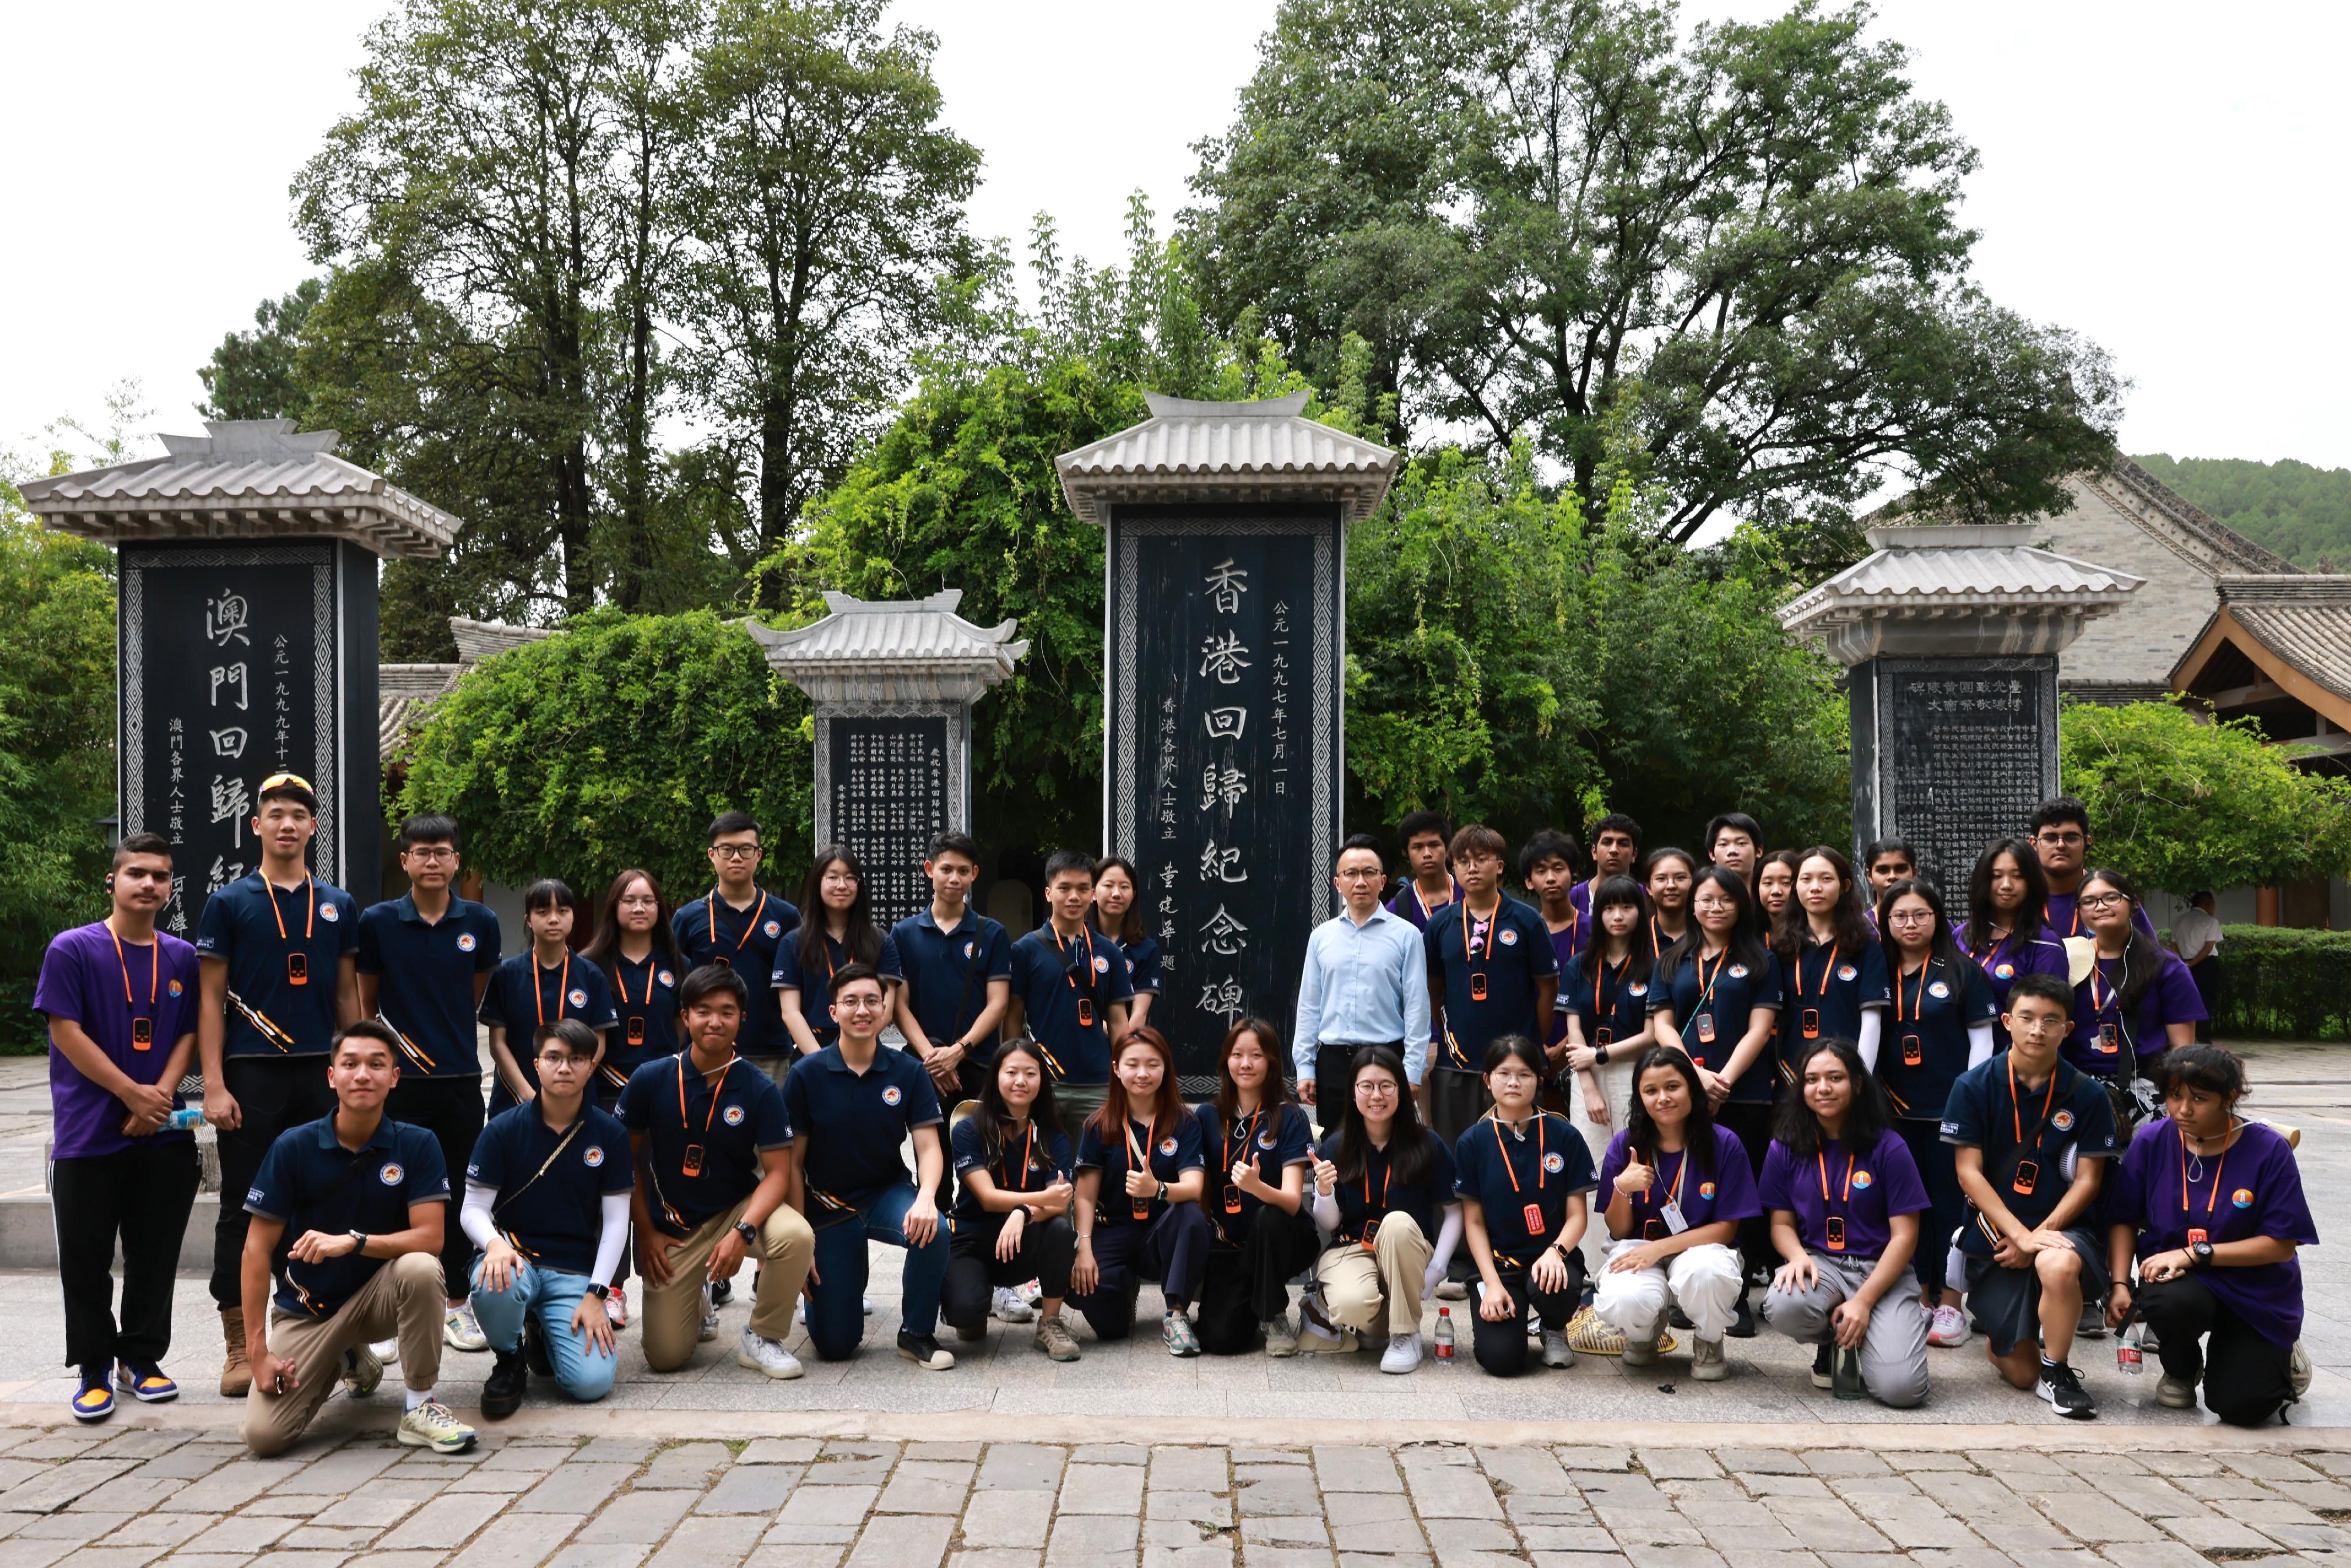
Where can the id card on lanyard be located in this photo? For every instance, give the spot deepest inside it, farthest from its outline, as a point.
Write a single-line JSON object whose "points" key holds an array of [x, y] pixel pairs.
{"points": [[297, 962], [1833, 1224], [1810, 1021], [1669, 1213], [1531, 1214], [691, 1162], [1913, 1045], [758, 912], [142, 1025]]}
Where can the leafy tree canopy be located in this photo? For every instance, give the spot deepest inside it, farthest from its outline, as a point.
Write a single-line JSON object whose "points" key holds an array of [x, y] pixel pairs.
{"points": [[2301, 512], [253, 375]]}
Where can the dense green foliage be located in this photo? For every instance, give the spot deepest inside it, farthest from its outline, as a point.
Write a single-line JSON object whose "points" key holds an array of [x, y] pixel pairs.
{"points": [[254, 375], [2185, 806], [2301, 512], [2282, 984]]}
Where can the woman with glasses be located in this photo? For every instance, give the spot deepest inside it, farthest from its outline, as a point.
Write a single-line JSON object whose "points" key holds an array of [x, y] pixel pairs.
{"points": [[1521, 1175], [2137, 1001], [637, 951]]}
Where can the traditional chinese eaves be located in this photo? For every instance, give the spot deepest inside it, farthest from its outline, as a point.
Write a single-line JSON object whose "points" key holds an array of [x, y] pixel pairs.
{"points": [[918, 650], [252, 478], [1224, 452]]}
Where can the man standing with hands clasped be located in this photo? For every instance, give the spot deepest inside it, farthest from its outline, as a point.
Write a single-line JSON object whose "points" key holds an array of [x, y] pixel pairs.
{"points": [[1365, 983]]}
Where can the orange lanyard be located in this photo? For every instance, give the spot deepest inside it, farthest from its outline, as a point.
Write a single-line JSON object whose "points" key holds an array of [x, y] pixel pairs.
{"points": [[1673, 1198], [685, 1122], [1825, 969], [2216, 1169], [1705, 987], [156, 949], [1235, 1150], [2016, 1112], [1027, 1152], [1845, 1197], [309, 920], [1495, 1120], [1425, 912], [1470, 948], [2097, 1005], [562, 986], [749, 926], [1600, 1008], [1142, 1161], [621, 980], [1918, 1005], [1387, 1173]]}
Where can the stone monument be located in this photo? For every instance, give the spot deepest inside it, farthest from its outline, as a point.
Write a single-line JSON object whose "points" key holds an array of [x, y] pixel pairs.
{"points": [[1224, 657], [1951, 633], [893, 682], [245, 631]]}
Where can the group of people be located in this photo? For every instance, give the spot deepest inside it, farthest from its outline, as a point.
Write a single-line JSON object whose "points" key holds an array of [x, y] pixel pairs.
{"points": [[1760, 1070]]}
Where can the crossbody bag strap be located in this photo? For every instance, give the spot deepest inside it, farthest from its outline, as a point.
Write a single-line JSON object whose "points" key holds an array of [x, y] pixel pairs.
{"points": [[561, 1144]]}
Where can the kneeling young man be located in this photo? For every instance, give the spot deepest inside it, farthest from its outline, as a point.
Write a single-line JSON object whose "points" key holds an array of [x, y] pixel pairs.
{"points": [[2033, 1136], [713, 1180], [547, 1200], [363, 1199]]}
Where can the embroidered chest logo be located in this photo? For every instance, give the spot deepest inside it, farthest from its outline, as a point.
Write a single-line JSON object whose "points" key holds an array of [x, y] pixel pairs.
{"points": [[577, 998], [772, 928], [331, 912], [464, 941], [1848, 972], [2242, 1197], [731, 1115], [1706, 1189], [891, 1095], [2004, 971], [2062, 1120], [666, 978], [1554, 1162], [391, 1174], [1168, 1145], [1938, 990], [1863, 1181], [592, 1156], [1510, 938]]}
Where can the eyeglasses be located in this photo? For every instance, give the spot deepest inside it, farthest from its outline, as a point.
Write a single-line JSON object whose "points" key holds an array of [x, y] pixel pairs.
{"points": [[857, 1004], [430, 853], [2051, 836], [736, 851], [1360, 873], [2102, 900], [561, 1064]]}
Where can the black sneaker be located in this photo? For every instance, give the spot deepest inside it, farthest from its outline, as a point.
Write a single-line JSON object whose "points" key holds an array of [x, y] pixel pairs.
{"points": [[924, 1351], [1824, 1366], [721, 1291], [1742, 1322], [502, 1390], [2061, 1387], [2093, 1321], [1682, 1320], [534, 1351]]}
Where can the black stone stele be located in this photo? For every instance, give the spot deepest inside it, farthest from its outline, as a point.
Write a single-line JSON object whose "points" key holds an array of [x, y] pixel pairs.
{"points": [[889, 780], [1952, 754]]}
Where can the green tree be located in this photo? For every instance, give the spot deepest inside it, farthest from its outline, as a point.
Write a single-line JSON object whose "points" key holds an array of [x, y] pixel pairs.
{"points": [[1733, 256], [2304, 513], [252, 375], [608, 746], [2185, 805]]}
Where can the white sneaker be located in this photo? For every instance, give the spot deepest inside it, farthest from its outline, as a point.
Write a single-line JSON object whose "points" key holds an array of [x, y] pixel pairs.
{"points": [[1010, 1309], [1452, 1290], [431, 1425], [616, 1307], [1033, 1292], [1402, 1353], [460, 1329], [1556, 1351], [1949, 1328], [362, 1372], [867, 1302], [386, 1351], [709, 1317], [765, 1355]]}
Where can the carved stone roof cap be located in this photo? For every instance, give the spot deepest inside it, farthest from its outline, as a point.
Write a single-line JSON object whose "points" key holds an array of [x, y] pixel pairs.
{"points": [[1955, 573], [909, 649], [249, 478], [1193, 451]]}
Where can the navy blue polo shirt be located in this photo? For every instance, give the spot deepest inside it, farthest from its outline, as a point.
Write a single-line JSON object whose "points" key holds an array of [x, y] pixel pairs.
{"points": [[524, 993], [1830, 987], [1604, 997], [855, 1122], [711, 930], [1509, 1172], [1375, 1192], [2071, 1117], [1171, 1148], [1144, 966], [645, 996], [399, 1166], [424, 979], [816, 987], [731, 1118], [1029, 1162], [1514, 956], [1924, 1048], [316, 920], [1050, 979], [947, 972], [557, 1219], [1730, 989], [1273, 1142]]}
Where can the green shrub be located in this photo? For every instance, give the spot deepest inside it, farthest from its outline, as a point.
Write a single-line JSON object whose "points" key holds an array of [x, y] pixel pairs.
{"points": [[2282, 984]]}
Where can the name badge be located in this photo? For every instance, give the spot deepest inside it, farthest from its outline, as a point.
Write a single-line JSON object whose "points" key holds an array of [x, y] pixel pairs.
{"points": [[1914, 1051], [1534, 1218], [1705, 1029], [1672, 1215]]}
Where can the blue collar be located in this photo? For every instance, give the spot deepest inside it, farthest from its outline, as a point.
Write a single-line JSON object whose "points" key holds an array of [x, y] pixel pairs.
{"points": [[381, 1139]]}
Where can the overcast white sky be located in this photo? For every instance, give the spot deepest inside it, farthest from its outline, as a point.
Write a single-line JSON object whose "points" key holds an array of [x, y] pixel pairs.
{"points": [[2166, 178]]}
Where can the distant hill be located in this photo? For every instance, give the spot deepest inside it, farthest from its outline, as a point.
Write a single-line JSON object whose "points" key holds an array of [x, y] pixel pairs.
{"points": [[2301, 512]]}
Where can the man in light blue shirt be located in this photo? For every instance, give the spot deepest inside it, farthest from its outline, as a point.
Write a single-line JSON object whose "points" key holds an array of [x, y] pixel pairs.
{"points": [[1365, 984]]}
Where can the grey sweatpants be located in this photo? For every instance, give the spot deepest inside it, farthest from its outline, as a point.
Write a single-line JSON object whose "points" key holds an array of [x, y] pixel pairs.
{"points": [[1894, 1346]]}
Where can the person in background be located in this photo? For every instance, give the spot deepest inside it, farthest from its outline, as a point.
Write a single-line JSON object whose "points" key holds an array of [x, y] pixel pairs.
{"points": [[740, 926], [959, 983], [547, 1200], [1675, 1188], [2137, 1001], [1140, 1172], [1734, 839], [1257, 1148], [532, 989], [2196, 937], [1547, 869], [1616, 842], [1070, 990], [1844, 1201], [2007, 933], [2033, 1137], [424, 961], [1521, 1175], [347, 1216], [636, 947], [1668, 875], [2063, 841], [121, 1000], [1118, 914], [2211, 1207], [1381, 1183], [836, 931], [1775, 883], [1604, 996], [278, 972], [1831, 968], [1013, 1164], [1429, 889], [1887, 861], [1943, 1022], [1365, 982]]}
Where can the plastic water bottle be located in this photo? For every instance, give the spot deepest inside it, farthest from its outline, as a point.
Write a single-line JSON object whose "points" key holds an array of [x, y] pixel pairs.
{"points": [[1845, 1379], [2130, 1352], [1445, 1336], [186, 1119]]}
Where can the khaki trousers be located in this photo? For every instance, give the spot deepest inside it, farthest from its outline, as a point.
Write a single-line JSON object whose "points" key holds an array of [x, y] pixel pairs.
{"points": [[671, 1317], [1356, 1279], [404, 1299]]}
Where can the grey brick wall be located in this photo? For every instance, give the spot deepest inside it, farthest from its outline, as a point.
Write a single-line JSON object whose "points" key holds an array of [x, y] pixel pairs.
{"points": [[2138, 644]]}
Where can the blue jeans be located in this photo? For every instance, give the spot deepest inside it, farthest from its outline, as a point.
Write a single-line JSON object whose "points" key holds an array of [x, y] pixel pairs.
{"points": [[836, 1312], [551, 1296]]}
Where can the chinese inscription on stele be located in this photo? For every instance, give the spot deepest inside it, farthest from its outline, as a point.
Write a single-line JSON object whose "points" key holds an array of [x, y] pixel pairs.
{"points": [[1965, 749], [889, 788]]}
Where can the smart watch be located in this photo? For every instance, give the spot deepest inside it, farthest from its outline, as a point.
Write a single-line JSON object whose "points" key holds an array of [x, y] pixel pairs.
{"points": [[359, 1238], [2201, 1251], [1600, 1054], [600, 1291], [747, 1231]]}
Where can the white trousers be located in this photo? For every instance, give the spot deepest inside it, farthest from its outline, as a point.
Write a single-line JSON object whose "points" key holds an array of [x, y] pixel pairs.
{"points": [[1616, 1079], [1703, 1281]]}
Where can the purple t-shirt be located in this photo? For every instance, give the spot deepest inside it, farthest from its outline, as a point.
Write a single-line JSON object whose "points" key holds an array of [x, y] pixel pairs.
{"points": [[1406, 903], [1865, 1188], [1723, 1188], [1564, 946], [2100, 1030], [2012, 957], [82, 980], [2254, 1189]]}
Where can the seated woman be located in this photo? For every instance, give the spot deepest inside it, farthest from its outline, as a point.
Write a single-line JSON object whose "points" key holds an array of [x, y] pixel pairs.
{"points": [[1844, 1198], [1012, 1211], [1260, 1235], [1675, 1187], [1140, 1174], [1380, 1182], [2211, 1207], [1521, 1174]]}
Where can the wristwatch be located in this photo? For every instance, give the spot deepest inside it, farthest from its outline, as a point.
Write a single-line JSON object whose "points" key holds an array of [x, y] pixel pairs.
{"points": [[747, 1231], [600, 1291], [359, 1241], [2199, 1252], [1163, 1192], [1600, 1054]]}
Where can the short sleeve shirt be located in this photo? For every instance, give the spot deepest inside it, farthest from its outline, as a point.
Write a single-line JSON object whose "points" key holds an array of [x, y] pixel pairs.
{"points": [[2030, 1141], [553, 1213], [815, 986], [704, 1135], [2253, 1190], [424, 979], [524, 994], [947, 972], [1708, 1190], [2104, 1031], [311, 1182], [1521, 1180], [1143, 966], [712, 931], [1376, 1193], [1029, 1162], [1512, 952], [1067, 989], [2012, 957], [1823, 994], [1609, 1005], [1924, 1048], [1566, 943], [88, 980], [1714, 997], [268, 934], [644, 995], [855, 1123], [1172, 1147], [1861, 1189], [1272, 1141]]}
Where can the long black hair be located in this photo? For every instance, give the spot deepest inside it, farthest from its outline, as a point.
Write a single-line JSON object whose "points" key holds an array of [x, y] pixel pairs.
{"points": [[2211, 1067], [1272, 1095], [2142, 959], [993, 1114], [1944, 949], [2030, 916], [1866, 1120], [862, 939], [1613, 891], [1741, 942], [1698, 1133], [1408, 1159], [1131, 928], [603, 949], [1793, 927]]}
